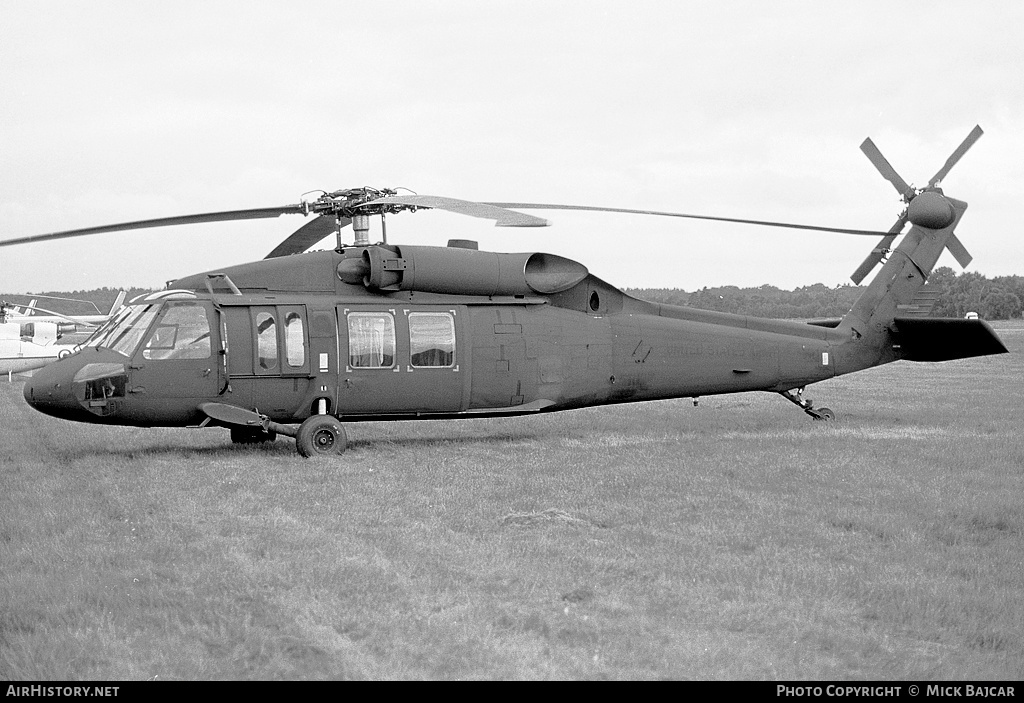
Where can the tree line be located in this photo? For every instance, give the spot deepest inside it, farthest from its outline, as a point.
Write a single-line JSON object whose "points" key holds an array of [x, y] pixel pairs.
{"points": [[77, 302], [998, 298]]}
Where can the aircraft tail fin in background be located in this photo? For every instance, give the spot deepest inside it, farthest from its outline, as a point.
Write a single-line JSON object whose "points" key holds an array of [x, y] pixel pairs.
{"points": [[27, 310], [118, 302]]}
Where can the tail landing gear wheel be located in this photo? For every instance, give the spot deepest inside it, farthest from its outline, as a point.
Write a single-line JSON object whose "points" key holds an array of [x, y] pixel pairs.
{"points": [[796, 396], [321, 435]]}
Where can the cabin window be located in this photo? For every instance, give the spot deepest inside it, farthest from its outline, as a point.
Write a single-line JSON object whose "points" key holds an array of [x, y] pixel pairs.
{"points": [[371, 340], [294, 340], [266, 340], [181, 332], [431, 339]]}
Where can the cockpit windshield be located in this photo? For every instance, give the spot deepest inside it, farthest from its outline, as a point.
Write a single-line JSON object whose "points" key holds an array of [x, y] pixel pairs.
{"points": [[124, 332]]}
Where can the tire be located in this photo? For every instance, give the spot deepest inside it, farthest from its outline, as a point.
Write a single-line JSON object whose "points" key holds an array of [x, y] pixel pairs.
{"points": [[321, 435], [825, 414], [251, 435]]}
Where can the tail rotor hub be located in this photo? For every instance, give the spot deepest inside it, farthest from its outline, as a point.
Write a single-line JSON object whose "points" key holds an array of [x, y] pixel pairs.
{"points": [[931, 209]]}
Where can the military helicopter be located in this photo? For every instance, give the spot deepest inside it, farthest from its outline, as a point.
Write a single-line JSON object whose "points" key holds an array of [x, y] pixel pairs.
{"points": [[299, 343]]}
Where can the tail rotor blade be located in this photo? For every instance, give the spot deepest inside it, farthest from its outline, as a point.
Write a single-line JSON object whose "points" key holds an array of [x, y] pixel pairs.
{"points": [[956, 155], [886, 169], [958, 250], [879, 252], [869, 263]]}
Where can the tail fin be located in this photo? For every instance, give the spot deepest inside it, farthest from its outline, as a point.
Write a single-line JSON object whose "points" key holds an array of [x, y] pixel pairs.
{"points": [[897, 287], [901, 278], [118, 302], [28, 309], [889, 318]]}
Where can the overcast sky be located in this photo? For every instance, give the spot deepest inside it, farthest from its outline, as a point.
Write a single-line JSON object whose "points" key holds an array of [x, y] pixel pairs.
{"points": [[117, 111]]}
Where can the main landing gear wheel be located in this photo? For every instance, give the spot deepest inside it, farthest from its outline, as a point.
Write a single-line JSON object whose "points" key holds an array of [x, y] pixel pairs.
{"points": [[823, 414], [251, 435], [321, 435]]}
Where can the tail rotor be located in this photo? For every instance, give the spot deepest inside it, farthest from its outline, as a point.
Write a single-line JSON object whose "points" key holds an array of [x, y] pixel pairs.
{"points": [[926, 207]]}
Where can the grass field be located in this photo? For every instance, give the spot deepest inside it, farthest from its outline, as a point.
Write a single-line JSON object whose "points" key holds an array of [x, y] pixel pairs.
{"points": [[736, 540]]}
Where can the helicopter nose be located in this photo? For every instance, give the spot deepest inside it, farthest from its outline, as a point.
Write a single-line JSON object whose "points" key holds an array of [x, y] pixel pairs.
{"points": [[49, 391]]}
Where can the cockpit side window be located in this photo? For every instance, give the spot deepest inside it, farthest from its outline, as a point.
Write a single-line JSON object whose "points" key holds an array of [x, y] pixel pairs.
{"points": [[126, 333], [181, 332]]}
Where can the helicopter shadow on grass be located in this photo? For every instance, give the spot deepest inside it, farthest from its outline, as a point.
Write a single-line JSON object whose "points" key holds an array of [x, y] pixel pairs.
{"points": [[285, 448], [489, 439], [164, 449]]}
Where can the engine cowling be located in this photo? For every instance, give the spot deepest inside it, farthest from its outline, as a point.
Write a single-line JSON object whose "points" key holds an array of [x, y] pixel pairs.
{"points": [[460, 271]]}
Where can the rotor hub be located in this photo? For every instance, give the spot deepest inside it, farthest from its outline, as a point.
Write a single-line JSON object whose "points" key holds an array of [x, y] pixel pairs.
{"points": [[353, 202]]}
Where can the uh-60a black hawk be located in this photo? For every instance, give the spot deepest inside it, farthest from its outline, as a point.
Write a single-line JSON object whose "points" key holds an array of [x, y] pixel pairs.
{"points": [[298, 343]]}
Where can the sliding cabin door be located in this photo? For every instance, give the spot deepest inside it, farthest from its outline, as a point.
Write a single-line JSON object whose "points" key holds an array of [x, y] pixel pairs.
{"points": [[269, 365], [402, 360]]}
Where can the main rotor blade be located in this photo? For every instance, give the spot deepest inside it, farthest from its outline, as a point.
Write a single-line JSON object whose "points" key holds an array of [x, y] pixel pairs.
{"points": [[588, 208], [886, 169], [974, 136], [488, 211], [308, 234], [253, 214]]}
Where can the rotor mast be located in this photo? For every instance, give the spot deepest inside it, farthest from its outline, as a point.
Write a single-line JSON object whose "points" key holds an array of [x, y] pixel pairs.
{"points": [[360, 230]]}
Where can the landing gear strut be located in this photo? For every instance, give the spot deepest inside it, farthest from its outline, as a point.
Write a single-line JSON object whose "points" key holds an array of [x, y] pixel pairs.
{"points": [[796, 395], [252, 435]]}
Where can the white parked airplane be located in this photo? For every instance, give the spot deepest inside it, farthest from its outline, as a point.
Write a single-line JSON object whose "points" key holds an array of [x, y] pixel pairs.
{"points": [[18, 310], [13, 313], [29, 342], [20, 354]]}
